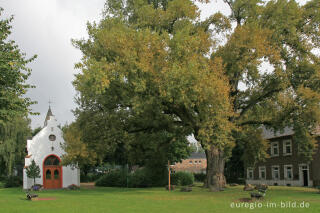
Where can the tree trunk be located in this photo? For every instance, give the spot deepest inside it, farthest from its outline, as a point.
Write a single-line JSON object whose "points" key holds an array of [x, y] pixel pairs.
{"points": [[215, 180]]}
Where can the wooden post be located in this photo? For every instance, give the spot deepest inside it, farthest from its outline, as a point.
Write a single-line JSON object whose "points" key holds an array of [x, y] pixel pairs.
{"points": [[169, 176]]}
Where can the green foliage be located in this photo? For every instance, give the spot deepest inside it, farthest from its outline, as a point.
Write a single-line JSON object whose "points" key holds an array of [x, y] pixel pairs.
{"points": [[199, 177], [78, 153], [13, 137], [114, 178], [146, 83], [142, 177], [284, 35], [14, 105], [33, 171], [12, 181], [90, 177], [182, 178], [13, 75]]}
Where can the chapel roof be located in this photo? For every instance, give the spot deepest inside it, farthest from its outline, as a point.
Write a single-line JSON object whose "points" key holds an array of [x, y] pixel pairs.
{"points": [[49, 113]]}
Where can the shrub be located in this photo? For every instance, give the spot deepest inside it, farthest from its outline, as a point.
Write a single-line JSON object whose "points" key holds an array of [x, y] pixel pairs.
{"points": [[140, 179], [90, 177], [114, 178], [200, 177], [13, 181], [182, 178]]}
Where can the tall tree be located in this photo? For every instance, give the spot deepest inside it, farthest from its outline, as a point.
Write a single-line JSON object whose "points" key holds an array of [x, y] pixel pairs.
{"points": [[283, 35], [14, 105], [13, 75], [13, 137], [148, 83], [146, 71]]}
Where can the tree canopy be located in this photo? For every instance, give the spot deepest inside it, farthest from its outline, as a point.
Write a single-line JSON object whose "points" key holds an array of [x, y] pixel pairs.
{"points": [[14, 105], [13, 137], [153, 73], [13, 75]]}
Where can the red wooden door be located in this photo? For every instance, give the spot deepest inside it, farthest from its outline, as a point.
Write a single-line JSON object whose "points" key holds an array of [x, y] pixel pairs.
{"points": [[52, 174]]}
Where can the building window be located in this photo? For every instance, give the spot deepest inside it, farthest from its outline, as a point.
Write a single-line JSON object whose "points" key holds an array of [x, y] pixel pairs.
{"points": [[275, 149], [288, 173], [199, 161], [287, 147], [190, 162], [195, 162], [249, 173], [262, 172], [275, 173]]}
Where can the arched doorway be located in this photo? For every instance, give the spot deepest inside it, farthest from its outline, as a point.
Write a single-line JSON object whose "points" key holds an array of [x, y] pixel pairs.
{"points": [[52, 172]]}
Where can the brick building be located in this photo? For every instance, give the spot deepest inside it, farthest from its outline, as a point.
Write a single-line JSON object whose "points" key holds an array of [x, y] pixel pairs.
{"points": [[196, 163], [285, 166]]}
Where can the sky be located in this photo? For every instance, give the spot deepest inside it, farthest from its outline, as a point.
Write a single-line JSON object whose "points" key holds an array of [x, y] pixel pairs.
{"points": [[45, 28]]}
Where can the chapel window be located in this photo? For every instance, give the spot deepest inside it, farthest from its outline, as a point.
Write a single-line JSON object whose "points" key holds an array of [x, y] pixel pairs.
{"points": [[52, 160], [52, 137]]}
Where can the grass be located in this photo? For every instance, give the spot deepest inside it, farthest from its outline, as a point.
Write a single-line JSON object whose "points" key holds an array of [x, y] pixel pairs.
{"points": [[157, 200]]}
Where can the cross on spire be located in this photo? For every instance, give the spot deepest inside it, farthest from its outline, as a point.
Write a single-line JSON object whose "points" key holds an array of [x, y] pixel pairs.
{"points": [[49, 102]]}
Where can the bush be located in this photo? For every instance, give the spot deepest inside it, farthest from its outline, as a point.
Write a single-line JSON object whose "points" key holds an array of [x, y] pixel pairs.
{"points": [[90, 177], [200, 177], [114, 178], [182, 178], [13, 181], [139, 179]]}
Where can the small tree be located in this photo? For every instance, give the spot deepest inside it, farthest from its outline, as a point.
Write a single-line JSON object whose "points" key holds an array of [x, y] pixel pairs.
{"points": [[33, 171]]}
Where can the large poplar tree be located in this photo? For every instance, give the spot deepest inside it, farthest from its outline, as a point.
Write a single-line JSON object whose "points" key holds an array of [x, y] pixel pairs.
{"points": [[152, 71]]}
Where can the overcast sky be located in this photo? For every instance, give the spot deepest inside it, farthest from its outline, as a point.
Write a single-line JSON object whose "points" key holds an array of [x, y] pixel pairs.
{"points": [[45, 28]]}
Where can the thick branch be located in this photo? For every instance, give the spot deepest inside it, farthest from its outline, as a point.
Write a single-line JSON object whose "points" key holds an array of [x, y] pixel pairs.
{"points": [[257, 100], [254, 122]]}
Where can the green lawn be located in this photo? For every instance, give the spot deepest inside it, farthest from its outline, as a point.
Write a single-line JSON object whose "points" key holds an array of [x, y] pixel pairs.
{"points": [[156, 200]]}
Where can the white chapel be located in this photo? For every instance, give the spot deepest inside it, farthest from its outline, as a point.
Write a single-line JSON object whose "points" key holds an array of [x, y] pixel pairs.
{"points": [[46, 150]]}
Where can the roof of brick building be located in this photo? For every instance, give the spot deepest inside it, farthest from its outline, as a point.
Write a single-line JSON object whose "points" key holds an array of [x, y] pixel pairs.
{"points": [[197, 155]]}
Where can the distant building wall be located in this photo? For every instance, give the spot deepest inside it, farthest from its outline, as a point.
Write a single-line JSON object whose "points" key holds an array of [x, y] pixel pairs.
{"points": [[196, 163], [302, 172]]}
